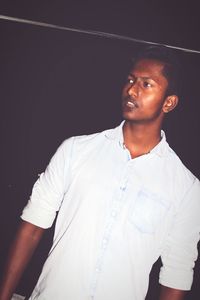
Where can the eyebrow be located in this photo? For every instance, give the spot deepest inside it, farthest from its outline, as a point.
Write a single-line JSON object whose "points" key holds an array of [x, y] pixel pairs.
{"points": [[141, 77]]}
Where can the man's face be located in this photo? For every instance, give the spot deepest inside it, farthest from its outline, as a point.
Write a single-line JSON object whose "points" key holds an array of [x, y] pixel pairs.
{"points": [[143, 95]]}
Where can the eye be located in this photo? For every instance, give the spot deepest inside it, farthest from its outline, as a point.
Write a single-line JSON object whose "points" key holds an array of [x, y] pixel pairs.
{"points": [[130, 80], [146, 84]]}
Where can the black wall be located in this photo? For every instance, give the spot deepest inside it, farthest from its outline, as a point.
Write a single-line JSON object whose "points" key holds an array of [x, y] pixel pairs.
{"points": [[56, 84]]}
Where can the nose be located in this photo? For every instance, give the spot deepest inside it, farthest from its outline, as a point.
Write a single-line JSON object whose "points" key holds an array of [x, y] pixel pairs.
{"points": [[133, 89]]}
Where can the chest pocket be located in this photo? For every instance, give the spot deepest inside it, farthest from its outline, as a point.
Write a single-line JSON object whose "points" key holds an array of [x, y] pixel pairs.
{"points": [[148, 211]]}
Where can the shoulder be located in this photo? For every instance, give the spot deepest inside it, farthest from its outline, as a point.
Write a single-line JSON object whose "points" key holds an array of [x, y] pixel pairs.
{"points": [[184, 179], [83, 143], [179, 165]]}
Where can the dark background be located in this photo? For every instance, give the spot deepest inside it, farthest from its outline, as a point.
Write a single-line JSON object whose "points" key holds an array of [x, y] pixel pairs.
{"points": [[55, 84]]}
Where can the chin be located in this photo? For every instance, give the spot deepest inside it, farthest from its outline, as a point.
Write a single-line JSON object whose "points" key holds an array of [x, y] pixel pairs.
{"points": [[128, 116]]}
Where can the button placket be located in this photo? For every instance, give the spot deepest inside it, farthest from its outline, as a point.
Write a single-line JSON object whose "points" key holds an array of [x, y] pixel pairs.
{"points": [[114, 213]]}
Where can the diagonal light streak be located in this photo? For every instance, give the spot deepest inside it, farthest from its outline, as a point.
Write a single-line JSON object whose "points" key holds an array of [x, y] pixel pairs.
{"points": [[91, 32]]}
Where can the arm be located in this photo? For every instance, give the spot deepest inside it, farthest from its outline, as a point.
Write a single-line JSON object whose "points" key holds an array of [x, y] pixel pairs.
{"points": [[179, 251], [41, 209], [22, 249], [171, 294]]}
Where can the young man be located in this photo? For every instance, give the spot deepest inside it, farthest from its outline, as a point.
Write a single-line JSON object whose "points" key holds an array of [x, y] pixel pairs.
{"points": [[124, 199]]}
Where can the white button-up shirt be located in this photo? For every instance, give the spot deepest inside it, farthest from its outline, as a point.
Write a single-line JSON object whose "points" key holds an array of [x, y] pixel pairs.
{"points": [[117, 215]]}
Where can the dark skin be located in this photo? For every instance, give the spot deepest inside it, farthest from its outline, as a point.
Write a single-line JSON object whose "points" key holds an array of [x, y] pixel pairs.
{"points": [[26, 241], [144, 106]]}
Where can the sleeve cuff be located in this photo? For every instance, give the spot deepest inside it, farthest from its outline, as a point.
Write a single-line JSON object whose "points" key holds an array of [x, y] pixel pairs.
{"points": [[172, 278], [37, 215]]}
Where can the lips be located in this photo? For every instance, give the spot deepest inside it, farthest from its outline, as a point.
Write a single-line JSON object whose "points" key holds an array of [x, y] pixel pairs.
{"points": [[130, 103]]}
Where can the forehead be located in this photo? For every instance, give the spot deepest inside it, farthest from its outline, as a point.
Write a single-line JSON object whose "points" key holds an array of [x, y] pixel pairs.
{"points": [[149, 68]]}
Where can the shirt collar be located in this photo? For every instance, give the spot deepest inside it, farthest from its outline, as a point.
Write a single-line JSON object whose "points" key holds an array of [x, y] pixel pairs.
{"points": [[161, 149]]}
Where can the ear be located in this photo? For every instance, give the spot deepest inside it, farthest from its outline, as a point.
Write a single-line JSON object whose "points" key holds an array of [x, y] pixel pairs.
{"points": [[170, 103]]}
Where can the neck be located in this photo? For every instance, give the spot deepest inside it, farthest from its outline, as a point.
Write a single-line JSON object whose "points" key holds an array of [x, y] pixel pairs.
{"points": [[140, 139]]}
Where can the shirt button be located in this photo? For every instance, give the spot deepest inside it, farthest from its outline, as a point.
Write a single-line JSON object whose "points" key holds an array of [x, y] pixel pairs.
{"points": [[105, 241], [122, 188], [97, 270], [113, 213]]}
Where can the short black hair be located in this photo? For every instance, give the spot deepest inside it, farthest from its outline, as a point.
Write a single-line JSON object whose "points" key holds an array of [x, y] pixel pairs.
{"points": [[172, 66]]}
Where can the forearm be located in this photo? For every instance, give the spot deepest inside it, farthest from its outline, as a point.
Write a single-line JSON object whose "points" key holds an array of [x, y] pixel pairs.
{"points": [[171, 294], [22, 249]]}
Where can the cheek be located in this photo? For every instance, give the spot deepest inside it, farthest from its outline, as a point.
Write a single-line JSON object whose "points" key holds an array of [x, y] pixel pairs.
{"points": [[153, 102]]}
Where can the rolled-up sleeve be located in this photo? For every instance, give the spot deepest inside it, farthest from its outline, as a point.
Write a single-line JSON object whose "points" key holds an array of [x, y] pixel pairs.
{"points": [[49, 189], [180, 251]]}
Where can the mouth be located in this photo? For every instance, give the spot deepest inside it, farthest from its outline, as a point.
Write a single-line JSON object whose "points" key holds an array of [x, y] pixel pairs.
{"points": [[130, 103]]}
